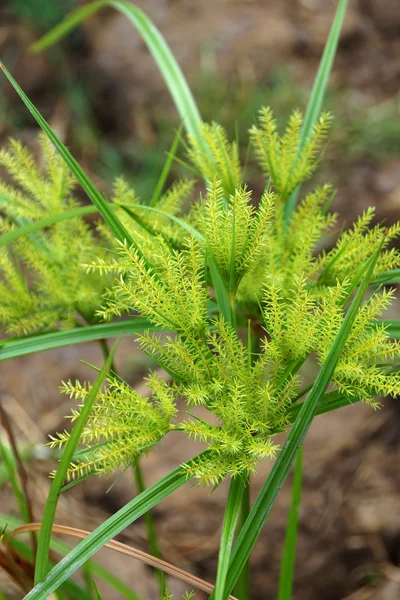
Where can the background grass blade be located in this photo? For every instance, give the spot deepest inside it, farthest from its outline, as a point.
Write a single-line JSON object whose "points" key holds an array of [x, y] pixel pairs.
{"points": [[389, 278], [12, 474], [289, 549], [166, 168], [392, 328], [328, 403], [14, 347], [108, 530], [242, 586], [319, 89], [61, 547], [150, 527], [228, 531], [259, 513], [94, 195], [34, 226], [221, 295], [10, 236], [49, 512], [98, 597], [156, 44]]}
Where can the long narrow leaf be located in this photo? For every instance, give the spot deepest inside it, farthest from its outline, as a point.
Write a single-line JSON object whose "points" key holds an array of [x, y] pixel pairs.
{"points": [[319, 88], [49, 512], [12, 473], [63, 548], [321, 81], [289, 550], [69, 589], [258, 515], [328, 403], [28, 228], [392, 328], [94, 195], [108, 530], [156, 44], [166, 168], [98, 597], [388, 278], [228, 531], [14, 347], [220, 290]]}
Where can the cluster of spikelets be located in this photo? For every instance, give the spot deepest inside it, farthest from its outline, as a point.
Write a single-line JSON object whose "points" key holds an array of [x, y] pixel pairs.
{"points": [[43, 284], [235, 358], [123, 425]]}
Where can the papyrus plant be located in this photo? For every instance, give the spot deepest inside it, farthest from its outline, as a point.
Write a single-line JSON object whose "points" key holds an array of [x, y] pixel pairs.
{"points": [[286, 302], [231, 293]]}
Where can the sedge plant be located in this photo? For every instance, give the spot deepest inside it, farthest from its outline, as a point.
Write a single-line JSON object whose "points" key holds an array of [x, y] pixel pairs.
{"points": [[228, 291]]}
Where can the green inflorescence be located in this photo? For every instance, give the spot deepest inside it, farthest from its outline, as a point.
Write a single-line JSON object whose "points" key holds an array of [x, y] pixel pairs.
{"points": [[288, 298]]}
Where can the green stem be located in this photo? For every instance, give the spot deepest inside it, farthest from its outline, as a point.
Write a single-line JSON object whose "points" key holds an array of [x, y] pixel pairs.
{"points": [[242, 587], [106, 351], [233, 310], [289, 550], [150, 528], [148, 517]]}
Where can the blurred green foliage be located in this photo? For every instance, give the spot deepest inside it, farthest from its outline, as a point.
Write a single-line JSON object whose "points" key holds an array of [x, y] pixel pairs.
{"points": [[41, 14], [364, 129]]}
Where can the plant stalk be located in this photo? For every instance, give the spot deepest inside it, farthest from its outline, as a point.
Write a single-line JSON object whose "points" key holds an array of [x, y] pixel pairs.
{"points": [[242, 588], [140, 485], [150, 528]]}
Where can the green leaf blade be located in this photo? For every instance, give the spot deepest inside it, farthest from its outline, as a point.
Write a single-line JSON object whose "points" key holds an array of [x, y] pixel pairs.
{"points": [[289, 550], [42, 557], [258, 515], [228, 530], [314, 105], [156, 44], [108, 530], [16, 347], [93, 194]]}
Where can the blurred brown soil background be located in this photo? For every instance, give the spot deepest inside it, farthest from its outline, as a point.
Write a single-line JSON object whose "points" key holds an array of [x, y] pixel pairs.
{"points": [[103, 94]]}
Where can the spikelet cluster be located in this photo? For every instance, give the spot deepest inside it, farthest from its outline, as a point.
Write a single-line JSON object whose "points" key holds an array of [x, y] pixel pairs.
{"points": [[43, 283], [240, 375], [122, 426], [288, 160]]}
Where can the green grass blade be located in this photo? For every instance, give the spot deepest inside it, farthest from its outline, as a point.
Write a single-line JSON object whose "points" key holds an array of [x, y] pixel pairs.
{"points": [[156, 44], [34, 226], [221, 295], [63, 548], [96, 591], [69, 589], [108, 530], [15, 347], [12, 473], [151, 532], [242, 587], [113, 581], [392, 328], [166, 168], [389, 278], [259, 513], [319, 89], [289, 550], [314, 106], [94, 195], [60, 476], [228, 531], [328, 403], [10, 236]]}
